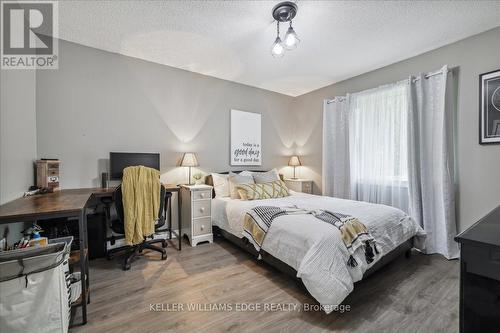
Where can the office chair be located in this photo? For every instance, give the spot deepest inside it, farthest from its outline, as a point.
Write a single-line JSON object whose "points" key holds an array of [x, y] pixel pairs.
{"points": [[118, 226]]}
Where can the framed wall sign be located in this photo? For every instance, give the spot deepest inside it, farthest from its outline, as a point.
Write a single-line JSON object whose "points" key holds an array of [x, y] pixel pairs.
{"points": [[246, 148], [489, 107]]}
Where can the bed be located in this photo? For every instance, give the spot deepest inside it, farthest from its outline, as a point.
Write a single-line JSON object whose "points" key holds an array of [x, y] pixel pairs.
{"points": [[306, 248]]}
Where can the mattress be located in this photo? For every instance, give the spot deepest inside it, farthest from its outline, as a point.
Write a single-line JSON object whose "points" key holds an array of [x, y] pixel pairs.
{"points": [[308, 245]]}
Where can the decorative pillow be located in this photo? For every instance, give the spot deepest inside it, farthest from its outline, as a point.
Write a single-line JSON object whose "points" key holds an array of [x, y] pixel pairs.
{"points": [[235, 179], [276, 189], [266, 177], [221, 184]]}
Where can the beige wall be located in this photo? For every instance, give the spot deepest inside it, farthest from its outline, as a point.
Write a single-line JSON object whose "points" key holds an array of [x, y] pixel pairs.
{"points": [[17, 137], [99, 102], [478, 165]]}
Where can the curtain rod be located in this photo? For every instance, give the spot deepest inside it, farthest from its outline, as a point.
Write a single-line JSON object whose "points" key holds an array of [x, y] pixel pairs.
{"points": [[428, 75], [434, 74]]}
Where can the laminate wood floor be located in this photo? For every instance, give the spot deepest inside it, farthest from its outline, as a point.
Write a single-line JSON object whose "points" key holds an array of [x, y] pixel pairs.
{"points": [[419, 294]]}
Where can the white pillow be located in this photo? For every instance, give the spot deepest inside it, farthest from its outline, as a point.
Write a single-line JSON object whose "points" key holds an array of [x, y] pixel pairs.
{"points": [[221, 185], [235, 179], [266, 177]]}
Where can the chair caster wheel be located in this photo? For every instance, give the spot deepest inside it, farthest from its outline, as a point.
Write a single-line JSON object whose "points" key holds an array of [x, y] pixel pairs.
{"points": [[164, 244], [164, 256], [127, 263], [108, 258]]}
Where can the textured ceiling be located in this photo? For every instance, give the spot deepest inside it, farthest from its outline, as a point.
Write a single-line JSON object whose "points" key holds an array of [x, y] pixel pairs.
{"points": [[232, 39]]}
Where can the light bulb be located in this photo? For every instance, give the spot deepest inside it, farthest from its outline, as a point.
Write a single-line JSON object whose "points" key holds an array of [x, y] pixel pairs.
{"points": [[291, 39], [277, 49]]}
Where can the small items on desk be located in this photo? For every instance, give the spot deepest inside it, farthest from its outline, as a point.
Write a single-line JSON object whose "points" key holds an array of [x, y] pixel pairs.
{"points": [[34, 190], [47, 174], [31, 238], [21, 244], [37, 240]]}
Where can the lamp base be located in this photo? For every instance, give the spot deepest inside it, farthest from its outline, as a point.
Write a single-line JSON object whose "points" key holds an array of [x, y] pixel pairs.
{"points": [[294, 172]]}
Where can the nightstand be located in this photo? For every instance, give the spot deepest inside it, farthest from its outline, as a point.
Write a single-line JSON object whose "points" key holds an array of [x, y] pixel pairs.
{"points": [[196, 205], [300, 185]]}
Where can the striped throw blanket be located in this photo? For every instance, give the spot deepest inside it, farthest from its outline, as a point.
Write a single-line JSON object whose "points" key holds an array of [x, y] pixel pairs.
{"points": [[354, 234]]}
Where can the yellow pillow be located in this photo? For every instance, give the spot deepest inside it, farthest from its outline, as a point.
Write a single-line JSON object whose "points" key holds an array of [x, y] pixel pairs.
{"points": [[275, 189]]}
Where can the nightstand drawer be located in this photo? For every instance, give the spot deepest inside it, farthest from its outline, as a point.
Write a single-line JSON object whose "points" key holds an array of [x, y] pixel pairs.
{"points": [[300, 185], [201, 208], [294, 186], [202, 195], [202, 226]]}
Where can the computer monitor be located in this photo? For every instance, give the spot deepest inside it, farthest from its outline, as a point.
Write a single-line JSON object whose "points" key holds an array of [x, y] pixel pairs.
{"points": [[119, 161]]}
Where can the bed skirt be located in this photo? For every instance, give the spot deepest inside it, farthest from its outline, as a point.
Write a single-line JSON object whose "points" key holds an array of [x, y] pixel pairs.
{"points": [[404, 248]]}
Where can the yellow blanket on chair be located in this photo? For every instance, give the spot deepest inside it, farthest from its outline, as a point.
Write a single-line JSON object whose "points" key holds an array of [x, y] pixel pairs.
{"points": [[141, 202]]}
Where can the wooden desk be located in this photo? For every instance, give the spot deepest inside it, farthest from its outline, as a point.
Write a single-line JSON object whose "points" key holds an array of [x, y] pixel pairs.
{"points": [[99, 192], [71, 203], [64, 203]]}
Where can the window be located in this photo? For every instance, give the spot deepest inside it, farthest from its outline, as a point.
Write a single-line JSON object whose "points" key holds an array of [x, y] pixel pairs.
{"points": [[378, 145]]}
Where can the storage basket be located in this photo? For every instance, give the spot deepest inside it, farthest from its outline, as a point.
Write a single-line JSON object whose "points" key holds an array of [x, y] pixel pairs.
{"points": [[33, 290]]}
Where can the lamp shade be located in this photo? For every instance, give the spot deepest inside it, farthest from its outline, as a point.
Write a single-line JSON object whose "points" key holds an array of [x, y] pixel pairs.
{"points": [[189, 160], [294, 161]]}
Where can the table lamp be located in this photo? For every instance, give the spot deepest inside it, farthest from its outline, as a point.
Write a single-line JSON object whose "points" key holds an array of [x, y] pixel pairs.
{"points": [[189, 160], [295, 162]]}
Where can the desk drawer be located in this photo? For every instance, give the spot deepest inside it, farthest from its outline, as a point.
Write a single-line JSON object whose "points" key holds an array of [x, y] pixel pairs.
{"points": [[201, 208], [202, 195], [53, 166], [482, 260], [202, 226]]}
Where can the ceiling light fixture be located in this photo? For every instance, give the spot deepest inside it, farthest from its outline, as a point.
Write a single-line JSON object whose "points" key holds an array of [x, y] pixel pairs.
{"points": [[278, 50], [284, 12], [291, 39]]}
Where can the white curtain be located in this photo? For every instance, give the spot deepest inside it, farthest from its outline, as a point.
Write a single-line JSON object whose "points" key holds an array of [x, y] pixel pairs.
{"points": [[394, 145], [431, 160], [336, 181], [378, 145]]}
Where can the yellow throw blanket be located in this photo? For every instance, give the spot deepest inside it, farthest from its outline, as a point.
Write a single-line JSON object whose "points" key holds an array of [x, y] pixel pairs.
{"points": [[141, 202]]}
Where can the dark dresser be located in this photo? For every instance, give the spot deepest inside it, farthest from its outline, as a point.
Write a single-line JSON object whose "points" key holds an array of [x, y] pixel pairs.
{"points": [[480, 275]]}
